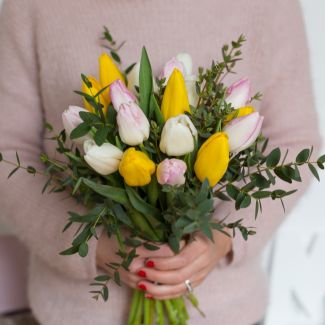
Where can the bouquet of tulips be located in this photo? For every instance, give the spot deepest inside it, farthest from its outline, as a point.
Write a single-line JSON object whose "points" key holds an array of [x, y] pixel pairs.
{"points": [[151, 155]]}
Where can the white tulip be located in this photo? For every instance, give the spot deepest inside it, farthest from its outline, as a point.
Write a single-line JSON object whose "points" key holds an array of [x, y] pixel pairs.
{"points": [[104, 159], [243, 131], [71, 119], [178, 136]]}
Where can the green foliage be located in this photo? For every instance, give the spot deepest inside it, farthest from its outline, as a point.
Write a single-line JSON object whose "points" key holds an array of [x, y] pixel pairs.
{"points": [[145, 80]]}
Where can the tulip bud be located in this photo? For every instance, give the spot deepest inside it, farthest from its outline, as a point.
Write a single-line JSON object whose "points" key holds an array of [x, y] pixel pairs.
{"points": [[239, 93], [71, 119], [178, 135], [175, 99], [169, 68], [212, 159], [108, 72], [243, 131], [171, 172], [96, 87], [239, 112], [136, 168], [120, 94], [105, 159], [133, 125]]}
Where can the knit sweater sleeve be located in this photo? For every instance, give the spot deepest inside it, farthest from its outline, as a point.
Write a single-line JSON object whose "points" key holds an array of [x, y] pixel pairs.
{"points": [[290, 120], [36, 219]]}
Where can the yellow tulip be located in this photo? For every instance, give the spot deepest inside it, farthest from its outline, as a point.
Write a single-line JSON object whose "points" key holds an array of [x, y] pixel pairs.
{"points": [[212, 158], [175, 99], [239, 112], [108, 72], [96, 87], [136, 168]]}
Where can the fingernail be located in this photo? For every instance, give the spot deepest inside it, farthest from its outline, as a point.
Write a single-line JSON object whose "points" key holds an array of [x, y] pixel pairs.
{"points": [[142, 273], [148, 296], [142, 287], [150, 264]]}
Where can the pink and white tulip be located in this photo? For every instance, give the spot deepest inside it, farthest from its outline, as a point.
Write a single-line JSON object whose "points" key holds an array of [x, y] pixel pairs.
{"points": [[133, 125], [104, 159], [71, 119], [239, 93], [243, 131], [120, 94], [169, 67], [171, 172]]}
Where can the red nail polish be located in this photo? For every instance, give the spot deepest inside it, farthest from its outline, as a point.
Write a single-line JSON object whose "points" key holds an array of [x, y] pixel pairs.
{"points": [[142, 273], [148, 296], [150, 264], [142, 287]]}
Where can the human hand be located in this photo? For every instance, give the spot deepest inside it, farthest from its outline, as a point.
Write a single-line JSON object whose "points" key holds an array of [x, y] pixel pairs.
{"points": [[107, 247], [165, 276]]}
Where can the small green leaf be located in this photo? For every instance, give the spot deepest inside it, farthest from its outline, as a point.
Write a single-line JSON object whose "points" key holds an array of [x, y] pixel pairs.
{"points": [[150, 247], [31, 170], [303, 156], [321, 159], [48, 126], [273, 158], [117, 278], [281, 173], [83, 250], [101, 135], [115, 57], [105, 293], [1, 157], [261, 194], [129, 68], [81, 130], [13, 171], [70, 251], [86, 81], [222, 196], [232, 191], [314, 171], [102, 278]]}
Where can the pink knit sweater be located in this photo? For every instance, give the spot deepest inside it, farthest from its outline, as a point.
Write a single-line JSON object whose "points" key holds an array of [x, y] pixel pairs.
{"points": [[46, 44]]}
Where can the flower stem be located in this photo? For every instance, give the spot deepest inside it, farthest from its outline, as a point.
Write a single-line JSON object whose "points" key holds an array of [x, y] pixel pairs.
{"points": [[159, 312], [134, 306]]}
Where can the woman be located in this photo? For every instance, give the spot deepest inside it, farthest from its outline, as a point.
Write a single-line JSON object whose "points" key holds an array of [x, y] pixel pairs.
{"points": [[44, 45]]}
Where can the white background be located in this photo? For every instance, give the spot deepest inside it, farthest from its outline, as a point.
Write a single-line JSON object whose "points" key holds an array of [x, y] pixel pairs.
{"points": [[297, 273]]}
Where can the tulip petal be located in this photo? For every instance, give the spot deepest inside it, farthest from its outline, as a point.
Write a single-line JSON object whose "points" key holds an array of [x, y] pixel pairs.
{"points": [[239, 93], [104, 159], [212, 159], [243, 131], [175, 99], [108, 72]]}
